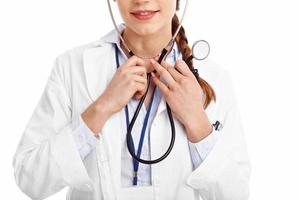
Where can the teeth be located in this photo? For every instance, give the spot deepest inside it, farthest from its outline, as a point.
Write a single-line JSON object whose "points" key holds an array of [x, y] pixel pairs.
{"points": [[144, 13]]}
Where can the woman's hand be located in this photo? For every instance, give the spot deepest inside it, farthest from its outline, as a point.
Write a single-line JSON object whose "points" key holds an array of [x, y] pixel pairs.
{"points": [[184, 96], [129, 80]]}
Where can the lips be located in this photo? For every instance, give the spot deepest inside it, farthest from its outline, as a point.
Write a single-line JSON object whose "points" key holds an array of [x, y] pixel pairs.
{"points": [[144, 14]]}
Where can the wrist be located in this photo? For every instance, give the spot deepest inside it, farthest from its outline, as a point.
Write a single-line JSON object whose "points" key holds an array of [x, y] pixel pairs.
{"points": [[95, 117], [102, 109], [198, 132]]}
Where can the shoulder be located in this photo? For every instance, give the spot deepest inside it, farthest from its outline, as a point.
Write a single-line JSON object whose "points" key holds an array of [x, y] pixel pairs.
{"points": [[219, 78], [105, 41], [211, 70], [78, 51], [72, 59]]}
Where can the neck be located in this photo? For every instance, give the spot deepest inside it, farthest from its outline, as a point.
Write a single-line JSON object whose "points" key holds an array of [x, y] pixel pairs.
{"points": [[147, 46]]}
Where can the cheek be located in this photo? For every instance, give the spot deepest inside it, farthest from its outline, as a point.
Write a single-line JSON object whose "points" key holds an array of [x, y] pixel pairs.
{"points": [[169, 9], [123, 10]]}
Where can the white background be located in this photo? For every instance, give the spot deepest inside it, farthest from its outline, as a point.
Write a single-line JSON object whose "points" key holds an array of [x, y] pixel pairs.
{"points": [[257, 41]]}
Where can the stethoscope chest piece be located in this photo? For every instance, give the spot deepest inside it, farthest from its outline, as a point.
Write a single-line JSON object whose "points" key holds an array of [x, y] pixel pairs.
{"points": [[200, 51]]}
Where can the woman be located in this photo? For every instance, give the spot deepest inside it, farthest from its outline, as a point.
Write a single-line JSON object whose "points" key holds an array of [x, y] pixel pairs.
{"points": [[76, 135]]}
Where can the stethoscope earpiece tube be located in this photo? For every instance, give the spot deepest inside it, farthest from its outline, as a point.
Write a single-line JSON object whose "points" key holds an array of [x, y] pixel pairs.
{"points": [[162, 55]]}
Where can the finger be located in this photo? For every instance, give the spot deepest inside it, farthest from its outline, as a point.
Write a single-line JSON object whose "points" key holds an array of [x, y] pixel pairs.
{"points": [[134, 61], [160, 84], [138, 70], [140, 87], [183, 68], [173, 71], [164, 73], [140, 79]]}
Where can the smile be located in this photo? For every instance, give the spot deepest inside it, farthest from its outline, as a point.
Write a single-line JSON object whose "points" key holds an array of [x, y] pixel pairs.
{"points": [[144, 14]]}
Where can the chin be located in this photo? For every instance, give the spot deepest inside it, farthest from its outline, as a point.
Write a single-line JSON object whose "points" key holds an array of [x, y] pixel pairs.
{"points": [[145, 29]]}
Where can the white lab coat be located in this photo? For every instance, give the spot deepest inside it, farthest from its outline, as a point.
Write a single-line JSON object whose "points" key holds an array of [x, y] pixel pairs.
{"points": [[47, 159]]}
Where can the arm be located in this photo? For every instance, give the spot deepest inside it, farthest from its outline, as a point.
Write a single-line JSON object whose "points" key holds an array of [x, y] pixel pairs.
{"points": [[225, 173], [200, 150], [47, 158], [91, 122], [86, 140]]}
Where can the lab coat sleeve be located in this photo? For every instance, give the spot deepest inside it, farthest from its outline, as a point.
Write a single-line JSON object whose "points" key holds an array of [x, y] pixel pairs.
{"points": [[225, 173], [201, 149], [85, 139], [47, 159]]}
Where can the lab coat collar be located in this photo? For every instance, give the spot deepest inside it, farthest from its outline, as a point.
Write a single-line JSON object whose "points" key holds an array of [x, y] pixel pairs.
{"points": [[113, 36]]}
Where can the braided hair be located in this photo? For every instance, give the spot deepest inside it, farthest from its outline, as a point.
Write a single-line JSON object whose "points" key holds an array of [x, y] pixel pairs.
{"points": [[186, 51]]}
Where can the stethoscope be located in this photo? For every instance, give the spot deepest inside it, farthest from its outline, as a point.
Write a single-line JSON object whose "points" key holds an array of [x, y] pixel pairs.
{"points": [[200, 50]]}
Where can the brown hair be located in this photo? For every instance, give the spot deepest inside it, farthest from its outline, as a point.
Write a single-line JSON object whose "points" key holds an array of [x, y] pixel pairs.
{"points": [[186, 51]]}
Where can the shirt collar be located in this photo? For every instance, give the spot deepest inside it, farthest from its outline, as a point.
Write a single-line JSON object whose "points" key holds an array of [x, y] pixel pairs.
{"points": [[113, 37]]}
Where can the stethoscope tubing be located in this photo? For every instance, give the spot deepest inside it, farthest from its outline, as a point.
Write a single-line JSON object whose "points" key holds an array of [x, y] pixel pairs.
{"points": [[170, 43], [129, 136], [162, 57]]}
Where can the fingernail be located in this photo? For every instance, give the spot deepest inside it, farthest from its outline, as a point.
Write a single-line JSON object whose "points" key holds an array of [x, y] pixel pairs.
{"points": [[152, 61], [152, 74]]}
